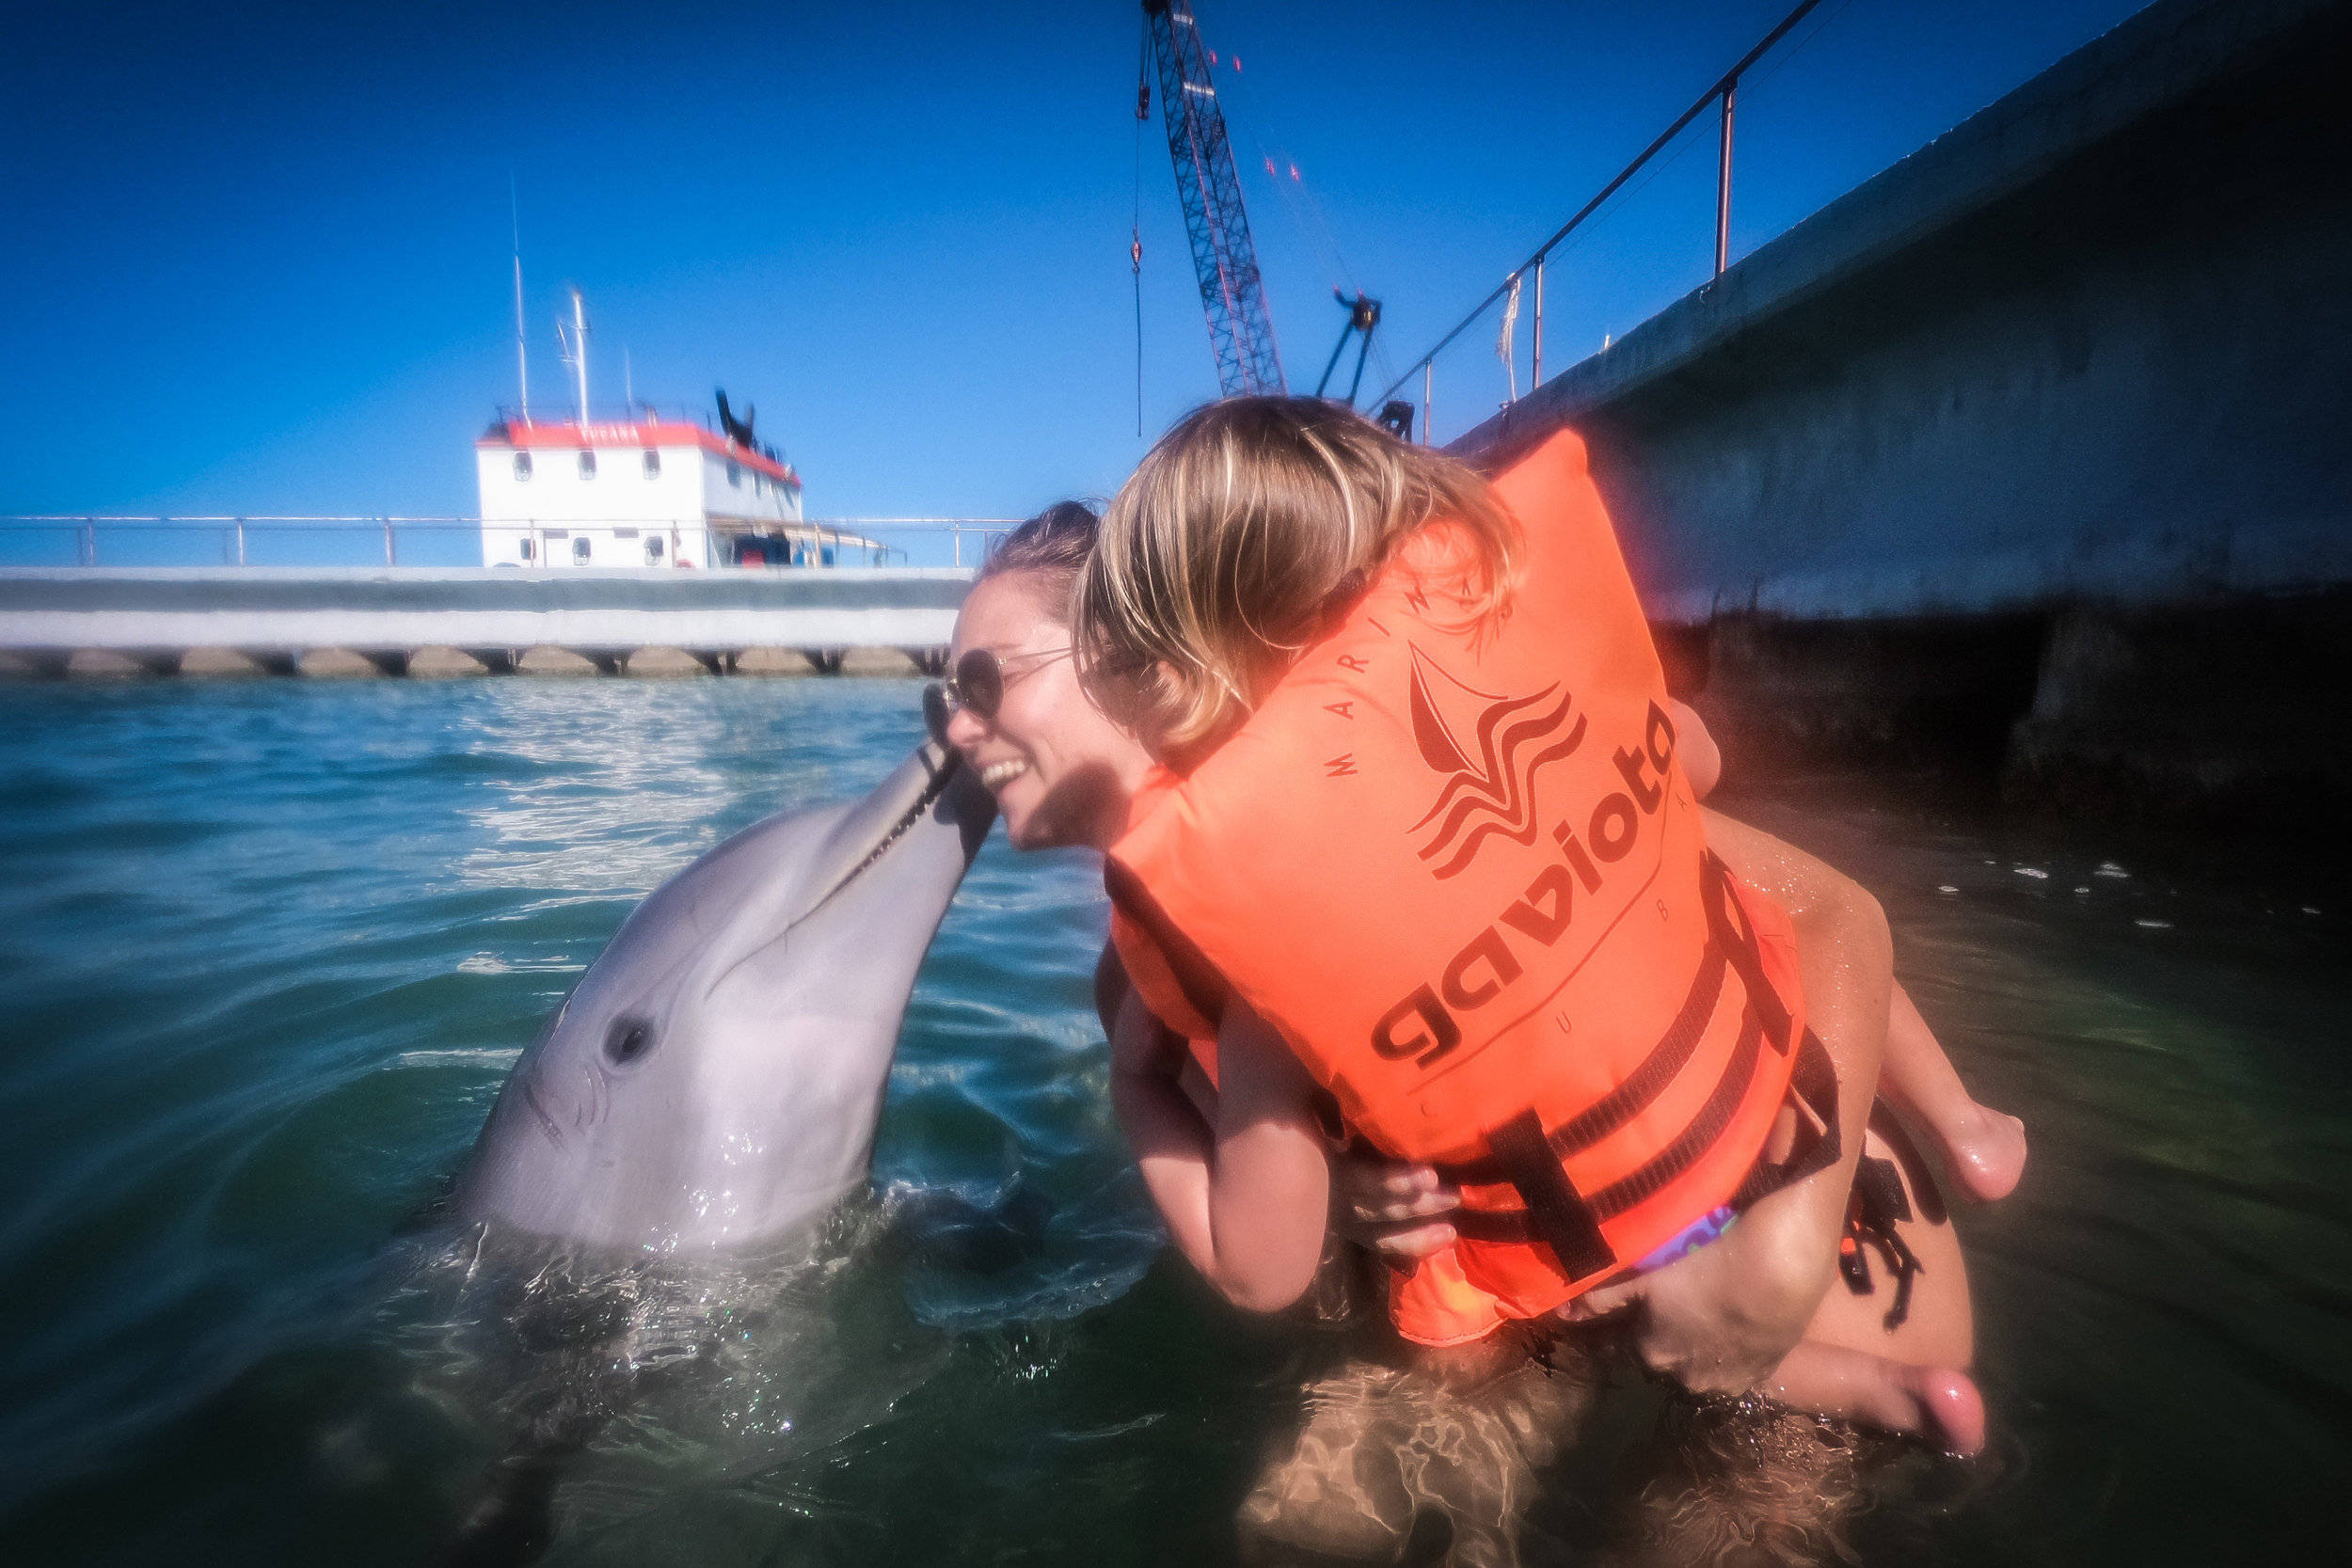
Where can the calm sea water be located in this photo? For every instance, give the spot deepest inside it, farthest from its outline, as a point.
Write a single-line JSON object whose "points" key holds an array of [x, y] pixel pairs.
{"points": [[271, 947]]}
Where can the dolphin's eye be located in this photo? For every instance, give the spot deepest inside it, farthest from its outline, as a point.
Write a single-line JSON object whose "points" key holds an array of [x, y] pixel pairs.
{"points": [[627, 1042]]}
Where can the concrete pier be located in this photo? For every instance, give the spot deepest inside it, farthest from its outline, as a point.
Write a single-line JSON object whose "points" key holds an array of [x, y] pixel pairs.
{"points": [[275, 616], [2064, 394]]}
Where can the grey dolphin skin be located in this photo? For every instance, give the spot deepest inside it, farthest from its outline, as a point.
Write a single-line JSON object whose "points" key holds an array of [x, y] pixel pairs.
{"points": [[712, 1083]]}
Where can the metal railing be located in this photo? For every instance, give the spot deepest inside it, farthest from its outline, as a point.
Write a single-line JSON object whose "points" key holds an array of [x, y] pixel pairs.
{"points": [[1725, 91], [983, 529], [115, 540]]}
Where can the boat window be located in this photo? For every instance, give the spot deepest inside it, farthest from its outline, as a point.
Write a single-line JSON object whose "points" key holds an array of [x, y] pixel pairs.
{"points": [[653, 464], [653, 551], [587, 464], [580, 548], [734, 472], [522, 466], [526, 549]]}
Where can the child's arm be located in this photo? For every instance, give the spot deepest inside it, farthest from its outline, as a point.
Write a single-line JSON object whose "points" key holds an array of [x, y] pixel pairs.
{"points": [[1246, 1200]]}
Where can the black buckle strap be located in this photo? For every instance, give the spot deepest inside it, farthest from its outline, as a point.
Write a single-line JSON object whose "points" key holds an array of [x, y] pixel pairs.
{"points": [[1555, 1215], [1883, 1195], [1878, 1206], [1914, 1167]]}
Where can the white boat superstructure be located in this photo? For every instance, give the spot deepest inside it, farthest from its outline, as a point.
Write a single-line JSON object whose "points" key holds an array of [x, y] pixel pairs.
{"points": [[641, 491], [644, 492]]}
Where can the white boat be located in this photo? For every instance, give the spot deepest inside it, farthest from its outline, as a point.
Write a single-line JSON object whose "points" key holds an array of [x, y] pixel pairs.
{"points": [[643, 491]]}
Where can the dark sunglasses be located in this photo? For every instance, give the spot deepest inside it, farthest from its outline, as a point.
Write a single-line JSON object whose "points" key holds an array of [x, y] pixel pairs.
{"points": [[978, 683]]}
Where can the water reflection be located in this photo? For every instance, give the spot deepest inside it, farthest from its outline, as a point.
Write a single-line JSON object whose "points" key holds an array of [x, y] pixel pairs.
{"points": [[611, 802]]}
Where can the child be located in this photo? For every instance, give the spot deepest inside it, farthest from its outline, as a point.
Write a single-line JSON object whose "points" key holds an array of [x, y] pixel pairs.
{"points": [[1207, 620]]}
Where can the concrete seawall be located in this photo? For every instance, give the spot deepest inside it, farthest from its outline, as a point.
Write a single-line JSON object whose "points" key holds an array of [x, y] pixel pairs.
{"points": [[277, 615], [2074, 375]]}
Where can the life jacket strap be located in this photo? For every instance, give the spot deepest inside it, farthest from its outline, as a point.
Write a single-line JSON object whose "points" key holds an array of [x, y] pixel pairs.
{"points": [[1889, 1127], [1526, 1155], [1879, 1203], [1647, 1082], [1813, 1082], [1713, 1119], [1556, 1215], [1731, 944], [1727, 921]]}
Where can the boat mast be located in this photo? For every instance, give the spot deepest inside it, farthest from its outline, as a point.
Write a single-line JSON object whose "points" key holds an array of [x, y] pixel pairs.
{"points": [[522, 357], [577, 347]]}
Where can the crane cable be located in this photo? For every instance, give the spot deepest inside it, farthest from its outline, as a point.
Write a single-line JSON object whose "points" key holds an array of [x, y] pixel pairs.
{"points": [[1299, 201], [1134, 232]]}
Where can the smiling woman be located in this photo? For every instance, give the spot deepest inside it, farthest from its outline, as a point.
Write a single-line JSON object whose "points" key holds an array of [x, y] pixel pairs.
{"points": [[1061, 773]]}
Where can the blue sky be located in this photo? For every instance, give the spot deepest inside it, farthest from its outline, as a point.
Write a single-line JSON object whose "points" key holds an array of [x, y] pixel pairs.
{"points": [[258, 257]]}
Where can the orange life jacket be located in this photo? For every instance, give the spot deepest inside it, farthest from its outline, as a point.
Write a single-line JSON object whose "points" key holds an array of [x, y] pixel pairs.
{"points": [[1457, 869]]}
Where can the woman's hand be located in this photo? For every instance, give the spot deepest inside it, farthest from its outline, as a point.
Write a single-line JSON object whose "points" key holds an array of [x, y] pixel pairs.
{"points": [[1390, 1206]]}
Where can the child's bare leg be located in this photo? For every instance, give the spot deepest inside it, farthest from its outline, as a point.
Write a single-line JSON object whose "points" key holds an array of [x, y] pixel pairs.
{"points": [[1939, 1404], [1909, 1376], [1983, 1149]]}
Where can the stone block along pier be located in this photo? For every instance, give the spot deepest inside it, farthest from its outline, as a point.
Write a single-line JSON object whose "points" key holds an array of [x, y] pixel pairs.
{"points": [[276, 618]]}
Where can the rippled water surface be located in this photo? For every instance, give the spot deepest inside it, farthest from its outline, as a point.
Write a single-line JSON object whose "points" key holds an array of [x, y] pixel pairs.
{"points": [[272, 946]]}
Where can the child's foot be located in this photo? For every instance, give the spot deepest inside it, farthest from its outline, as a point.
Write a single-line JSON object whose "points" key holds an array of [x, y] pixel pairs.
{"points": [[1986, 1156], [1948, 1409]]}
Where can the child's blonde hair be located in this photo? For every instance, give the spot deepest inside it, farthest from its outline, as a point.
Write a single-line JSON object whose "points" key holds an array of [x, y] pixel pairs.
{"points": [[1218, 562]]}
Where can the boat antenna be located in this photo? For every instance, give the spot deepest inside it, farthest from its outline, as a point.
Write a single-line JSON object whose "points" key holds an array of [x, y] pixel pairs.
{"points": [[573, 343], [522, 357], [628, 385]]}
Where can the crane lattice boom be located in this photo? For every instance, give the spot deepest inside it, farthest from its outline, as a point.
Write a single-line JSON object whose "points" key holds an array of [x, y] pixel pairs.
{"points": [[1241, 334]]}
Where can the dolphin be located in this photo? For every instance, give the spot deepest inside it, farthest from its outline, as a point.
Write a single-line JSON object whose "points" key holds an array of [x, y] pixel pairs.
{"points": [[711, 1084]]}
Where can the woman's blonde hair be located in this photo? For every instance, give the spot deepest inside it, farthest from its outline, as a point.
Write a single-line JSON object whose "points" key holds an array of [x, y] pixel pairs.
{"points": [[1243, 530]]}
